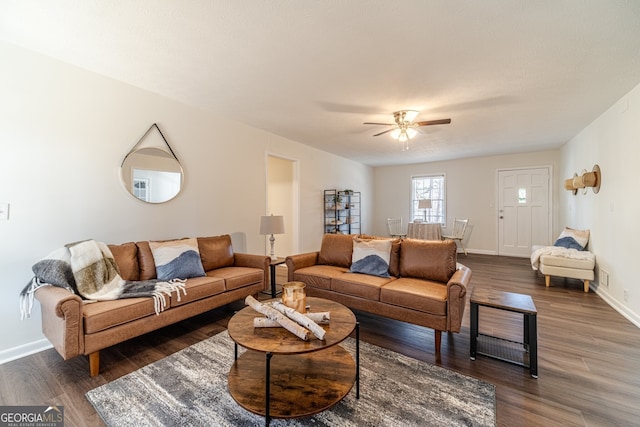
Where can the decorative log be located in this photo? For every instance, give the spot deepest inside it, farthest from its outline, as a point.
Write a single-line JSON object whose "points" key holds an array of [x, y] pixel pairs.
{"points": [[264, 322], [301, 319], [277, 316], [321, 318]]}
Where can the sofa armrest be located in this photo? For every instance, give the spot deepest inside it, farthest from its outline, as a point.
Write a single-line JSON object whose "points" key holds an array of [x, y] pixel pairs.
{"points": [[254, 261], [295, 262], [456, 297], [62, 321]]}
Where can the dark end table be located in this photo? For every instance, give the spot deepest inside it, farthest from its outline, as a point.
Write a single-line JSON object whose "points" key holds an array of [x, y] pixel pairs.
{"points": [[272, 272], [523, 353]]}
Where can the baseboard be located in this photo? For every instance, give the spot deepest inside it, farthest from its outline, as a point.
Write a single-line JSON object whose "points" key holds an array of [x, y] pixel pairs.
{"points": [[24, 350], [477, 251], [616, 305]]}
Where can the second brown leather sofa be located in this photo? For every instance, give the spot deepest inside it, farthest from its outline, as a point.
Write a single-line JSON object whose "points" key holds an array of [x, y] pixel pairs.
{"points": [[427, 286]]}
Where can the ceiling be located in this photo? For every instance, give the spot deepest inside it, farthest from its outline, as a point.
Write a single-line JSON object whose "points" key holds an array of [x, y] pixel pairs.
{"points": [[513, 75]]}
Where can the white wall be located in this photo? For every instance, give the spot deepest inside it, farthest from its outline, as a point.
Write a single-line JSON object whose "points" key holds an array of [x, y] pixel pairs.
{"points": [[470, 191], [63, 134], [613, 215]]}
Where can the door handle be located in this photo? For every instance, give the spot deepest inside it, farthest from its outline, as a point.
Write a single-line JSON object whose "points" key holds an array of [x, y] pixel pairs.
{"points": [[501, 217]]}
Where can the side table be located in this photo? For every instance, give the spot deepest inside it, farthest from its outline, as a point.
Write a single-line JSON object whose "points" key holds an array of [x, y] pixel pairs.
{"points": [[523, 353], [272, 273]]}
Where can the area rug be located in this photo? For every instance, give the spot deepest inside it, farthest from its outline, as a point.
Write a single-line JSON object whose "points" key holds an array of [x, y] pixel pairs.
{"points": [[189, 388]]}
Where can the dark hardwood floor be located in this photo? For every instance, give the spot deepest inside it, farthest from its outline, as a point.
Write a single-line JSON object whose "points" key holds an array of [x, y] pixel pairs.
{"points": [[589, 355]]}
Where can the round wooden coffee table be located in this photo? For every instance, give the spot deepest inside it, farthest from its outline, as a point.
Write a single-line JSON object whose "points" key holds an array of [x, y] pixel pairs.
{"points": [[282, 376]]}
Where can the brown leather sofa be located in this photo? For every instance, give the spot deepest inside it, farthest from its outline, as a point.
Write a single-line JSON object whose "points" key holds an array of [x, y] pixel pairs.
{"points": [[427, 287], [75, 327]]}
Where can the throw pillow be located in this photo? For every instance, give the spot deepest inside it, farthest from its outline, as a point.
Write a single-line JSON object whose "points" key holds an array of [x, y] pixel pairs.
{"points": [[371, 257], [571, 238], [177, 259], [394, 259]]}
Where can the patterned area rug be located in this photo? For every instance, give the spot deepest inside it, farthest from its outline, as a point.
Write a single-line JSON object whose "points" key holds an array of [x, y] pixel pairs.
{"points": [[189, 388]]}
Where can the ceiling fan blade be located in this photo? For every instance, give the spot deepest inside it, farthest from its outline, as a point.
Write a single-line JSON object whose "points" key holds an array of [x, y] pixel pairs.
{"points": [[382, 133], [381, 124], [433, 122]]}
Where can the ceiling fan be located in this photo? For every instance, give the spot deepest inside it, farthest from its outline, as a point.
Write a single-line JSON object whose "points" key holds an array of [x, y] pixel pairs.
{"points": [[404, 127]]}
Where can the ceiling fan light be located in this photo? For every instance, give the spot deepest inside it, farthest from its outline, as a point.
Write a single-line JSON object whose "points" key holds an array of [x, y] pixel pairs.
{"points": [[411, 132], [395, 134], [403, 137]]}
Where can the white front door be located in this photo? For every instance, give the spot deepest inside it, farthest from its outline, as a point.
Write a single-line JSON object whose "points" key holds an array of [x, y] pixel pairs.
{"points": [[524, 211]]}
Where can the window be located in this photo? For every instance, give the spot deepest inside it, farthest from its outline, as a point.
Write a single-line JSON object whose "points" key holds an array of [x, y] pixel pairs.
{"points": [[428, 187], [141, 188], [522, 195]]}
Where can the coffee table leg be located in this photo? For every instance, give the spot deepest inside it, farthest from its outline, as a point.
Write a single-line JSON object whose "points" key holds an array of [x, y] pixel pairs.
{"points": [[474, 330], [267, 416], [357, 360]]}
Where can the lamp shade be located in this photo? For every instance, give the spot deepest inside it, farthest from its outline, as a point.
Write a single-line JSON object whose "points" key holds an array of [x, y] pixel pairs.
{"points": [[272, 224], [424, 204]]}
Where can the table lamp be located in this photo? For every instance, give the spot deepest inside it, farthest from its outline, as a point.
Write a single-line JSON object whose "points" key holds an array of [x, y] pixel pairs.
{"points": [[424, 204], [272, 225]]}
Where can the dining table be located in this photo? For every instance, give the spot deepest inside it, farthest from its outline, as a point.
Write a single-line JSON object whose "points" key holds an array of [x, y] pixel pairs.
{"points": [[424, 231]]}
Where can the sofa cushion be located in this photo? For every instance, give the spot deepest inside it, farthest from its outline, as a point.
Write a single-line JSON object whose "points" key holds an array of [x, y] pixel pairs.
{"points": [[177, 259], [394, 258], [371, 257], [561, 261], [428, 259], [336, 250], [101, 315], [216, 252], [416, 294], [360, 285], [318, 276], [237, 277], [145, 261], [126, 257], [198, 288]]}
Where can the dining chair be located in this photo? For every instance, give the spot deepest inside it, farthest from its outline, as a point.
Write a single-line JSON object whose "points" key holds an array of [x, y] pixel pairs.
{"points": [[395, 229], [459, 227]]}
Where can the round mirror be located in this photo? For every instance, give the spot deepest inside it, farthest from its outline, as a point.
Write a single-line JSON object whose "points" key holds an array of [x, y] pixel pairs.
{"points": [[152, 175]]}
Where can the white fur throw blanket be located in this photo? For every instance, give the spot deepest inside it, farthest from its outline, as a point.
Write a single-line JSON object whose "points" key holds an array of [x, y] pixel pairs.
{"points": [[558, 251], [88, 269]]}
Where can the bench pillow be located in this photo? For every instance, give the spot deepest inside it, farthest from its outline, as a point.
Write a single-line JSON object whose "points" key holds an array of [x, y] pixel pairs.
{"points": [[573, 239]]}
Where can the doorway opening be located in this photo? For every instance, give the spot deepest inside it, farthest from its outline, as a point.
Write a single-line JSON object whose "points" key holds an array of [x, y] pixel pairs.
{"points": [[282, 199]]}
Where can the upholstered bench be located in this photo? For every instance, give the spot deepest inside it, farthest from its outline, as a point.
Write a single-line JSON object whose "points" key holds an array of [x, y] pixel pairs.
{"points": [[568, 257], [554, 265]]}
